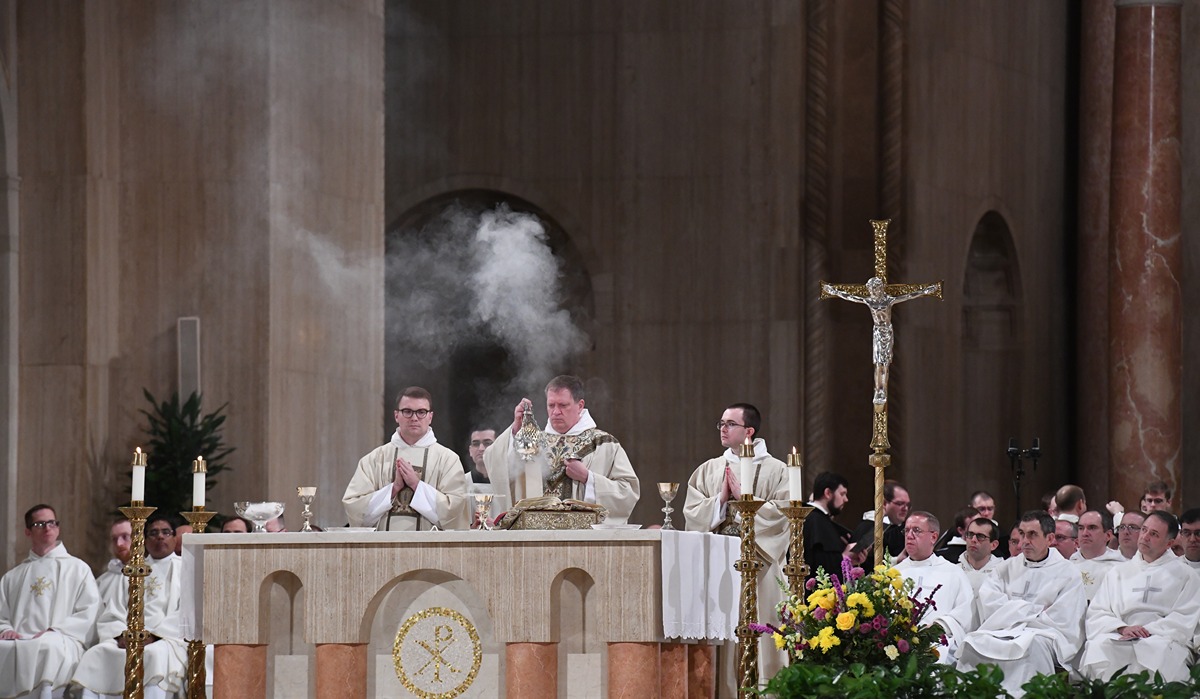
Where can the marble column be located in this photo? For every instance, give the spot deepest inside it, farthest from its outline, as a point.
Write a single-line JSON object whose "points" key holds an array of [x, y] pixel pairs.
{"points": [[1145, 260], [701, 671], [531, 670], [342, 670], [239, 671], [632, 670], [673, 670]]}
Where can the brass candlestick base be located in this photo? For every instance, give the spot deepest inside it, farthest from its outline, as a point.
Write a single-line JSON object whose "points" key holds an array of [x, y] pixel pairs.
{"points": [[135, 619], [748, 565], [198, 518], [796, 569]]}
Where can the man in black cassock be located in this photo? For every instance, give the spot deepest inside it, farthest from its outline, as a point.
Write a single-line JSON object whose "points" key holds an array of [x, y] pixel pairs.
{"points": [[895, 510], [825, 540]]}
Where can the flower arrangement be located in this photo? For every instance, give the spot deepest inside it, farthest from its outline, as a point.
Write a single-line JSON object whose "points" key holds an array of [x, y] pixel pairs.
{"points": [[872, 619]]}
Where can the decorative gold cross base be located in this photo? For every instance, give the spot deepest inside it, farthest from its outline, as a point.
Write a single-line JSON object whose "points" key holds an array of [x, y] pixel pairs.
{"points": [[135, 619], [196, 673], [748, 565], [796, 570]]}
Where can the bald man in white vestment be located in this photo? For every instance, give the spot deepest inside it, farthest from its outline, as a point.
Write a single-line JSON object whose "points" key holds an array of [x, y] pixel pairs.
{"points": [[412, 483], [48, 605], [1094, 558], [953, 601], [1031, 611], [586, 463], [1145, 613], [706, 509], [101, 672]]}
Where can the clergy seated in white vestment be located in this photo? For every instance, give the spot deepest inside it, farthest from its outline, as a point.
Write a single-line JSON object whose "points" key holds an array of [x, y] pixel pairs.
{"points": [[48, 604], [113, 576], [1189, 531], [575, 460], [411, 483], [706, 509], [1031, 611], [979, 561], [1129, 530], [954, 596], [1144, 615], [101, 672], [1094, 558]]}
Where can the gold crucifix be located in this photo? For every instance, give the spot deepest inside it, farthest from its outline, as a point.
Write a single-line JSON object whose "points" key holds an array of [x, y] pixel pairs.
{"points": [[879, 297]]}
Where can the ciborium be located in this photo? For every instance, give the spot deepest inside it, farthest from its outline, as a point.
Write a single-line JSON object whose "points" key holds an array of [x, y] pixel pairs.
{"points": [[667, 492], [258, 512], [483, 505], [306, 494]]}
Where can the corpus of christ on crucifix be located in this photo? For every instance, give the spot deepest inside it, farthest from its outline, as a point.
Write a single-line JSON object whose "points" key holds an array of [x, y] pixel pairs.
{"points": [[411, 316]]}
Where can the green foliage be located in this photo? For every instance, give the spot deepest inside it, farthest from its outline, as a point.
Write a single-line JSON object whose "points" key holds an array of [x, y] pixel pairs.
{"points": [[1139, 685], [177, 434], [909, 679]]}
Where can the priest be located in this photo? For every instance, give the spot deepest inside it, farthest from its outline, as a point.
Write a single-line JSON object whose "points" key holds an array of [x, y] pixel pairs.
{"points": [[1031, 611], [411, 483], [48, 604], [1094, 558], [101, 672], [979, 561], [954, 596], [826, 541], [1189, 530], [574, 458], [706, 509], [1145, 614], [120, 539]]}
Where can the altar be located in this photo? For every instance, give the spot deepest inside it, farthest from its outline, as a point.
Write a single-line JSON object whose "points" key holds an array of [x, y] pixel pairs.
{"points": [[582, 613]]}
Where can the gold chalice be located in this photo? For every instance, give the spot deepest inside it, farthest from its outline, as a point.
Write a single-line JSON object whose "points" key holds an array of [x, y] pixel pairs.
{"points": [[667, 492]]}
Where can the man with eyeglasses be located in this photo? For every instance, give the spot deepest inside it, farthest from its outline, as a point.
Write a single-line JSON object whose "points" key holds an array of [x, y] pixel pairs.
{"points": [[412, 483], [480, 440], [1094, 558], [1189, 531], [1128, 533], [101, 672], [48, 605], [954, 597], [896, 504], [1030, 611], [978, 561], [1066, 537], [1145, 614], [578, 460], [706, 509]]}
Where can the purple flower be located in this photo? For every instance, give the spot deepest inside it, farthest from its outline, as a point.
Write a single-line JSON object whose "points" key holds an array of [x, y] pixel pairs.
{"points": [[879, 622], [819, 613], [761, 628], [864, 628], [856, 573], [811, 584], [902, 645], [837, 588]]}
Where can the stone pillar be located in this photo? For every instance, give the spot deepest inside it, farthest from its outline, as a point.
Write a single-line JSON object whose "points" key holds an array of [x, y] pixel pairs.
{"points": [[632, 670], [1145, 262], [1095, 164], [701, 671], [342, 670], [673, 670], [531, 670], [239, 671]]}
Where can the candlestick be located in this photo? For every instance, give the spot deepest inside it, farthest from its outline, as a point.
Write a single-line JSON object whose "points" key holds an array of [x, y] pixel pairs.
{"points": [[746, 456], [198, 518], [795, 476], [748, 565], [796, 569], [199, 477], [137, 491], [135, 620]]}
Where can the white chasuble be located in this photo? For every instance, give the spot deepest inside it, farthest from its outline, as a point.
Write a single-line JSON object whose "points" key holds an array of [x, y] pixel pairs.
{"points": [[1030, 618], [102, 669], [55, 592], [953, 602], [1093, 570], [611, 482], [440, 498], [1162, 596]]}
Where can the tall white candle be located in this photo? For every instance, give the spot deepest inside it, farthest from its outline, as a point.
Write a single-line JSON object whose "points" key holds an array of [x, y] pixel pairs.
{"points": [[199, 475], [138, 489], [795, 476], [747, 463]]}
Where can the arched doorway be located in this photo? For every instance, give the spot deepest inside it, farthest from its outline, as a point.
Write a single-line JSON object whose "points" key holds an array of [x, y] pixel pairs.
{"points": [[449, 326], [992, 338]]}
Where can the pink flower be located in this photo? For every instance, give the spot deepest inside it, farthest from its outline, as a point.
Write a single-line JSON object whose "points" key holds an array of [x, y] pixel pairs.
{"points": [[902, 645], [856, 573], [865, 628], [811, 584], [819, 613]]}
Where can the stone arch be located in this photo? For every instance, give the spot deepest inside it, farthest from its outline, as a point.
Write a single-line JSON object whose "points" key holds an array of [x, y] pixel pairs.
{"points": [[291, 663], [991, 342], [581, 655], [474, 375]]}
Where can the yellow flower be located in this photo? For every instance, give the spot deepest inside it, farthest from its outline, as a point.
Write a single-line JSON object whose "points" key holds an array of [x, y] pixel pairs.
{"points": [[856, 599], [880, 568], [778, 641], [822, 598], [846, 620], [827, 640], [898, 584], [891, 652], [906, 603], [893, 573]]}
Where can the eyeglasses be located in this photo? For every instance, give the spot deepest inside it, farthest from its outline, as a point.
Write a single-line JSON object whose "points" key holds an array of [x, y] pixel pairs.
{"points": [[915, 532], [976, 536], [1189, 533], [1129, 528], [482, 442], [727, 425], [45, 523], [160, 532], [409, 412]]}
